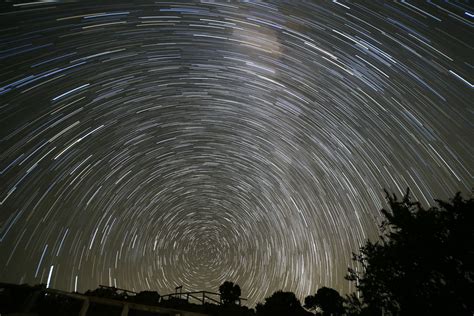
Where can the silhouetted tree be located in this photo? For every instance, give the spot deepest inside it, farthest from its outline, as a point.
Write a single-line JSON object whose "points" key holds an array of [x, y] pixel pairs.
{"points": [[146, 297], [327, 300], [423, 263], [107, 292], [230, 292], [281, 304]]}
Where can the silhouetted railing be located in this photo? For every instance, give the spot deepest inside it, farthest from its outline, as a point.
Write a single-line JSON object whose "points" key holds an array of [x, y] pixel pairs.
{"points": [[119, 290], [199, 296]]}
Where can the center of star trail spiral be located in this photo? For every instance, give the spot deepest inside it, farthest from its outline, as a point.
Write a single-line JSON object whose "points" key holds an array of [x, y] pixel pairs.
{"points": [[151, 145]]}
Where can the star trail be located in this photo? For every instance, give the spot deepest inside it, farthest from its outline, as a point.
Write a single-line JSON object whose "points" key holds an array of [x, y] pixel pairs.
{"points": [[148, 145]]}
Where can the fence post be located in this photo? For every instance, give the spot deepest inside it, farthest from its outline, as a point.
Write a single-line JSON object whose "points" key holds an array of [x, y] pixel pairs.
{"points": [[125, 310], [84, 308]]}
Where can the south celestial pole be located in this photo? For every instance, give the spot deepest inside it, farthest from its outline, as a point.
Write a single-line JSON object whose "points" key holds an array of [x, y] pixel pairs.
{"points": [[151, 144]]}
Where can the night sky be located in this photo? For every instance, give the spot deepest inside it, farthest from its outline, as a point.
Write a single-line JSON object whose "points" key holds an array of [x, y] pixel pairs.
{"points": [[157, 144]]}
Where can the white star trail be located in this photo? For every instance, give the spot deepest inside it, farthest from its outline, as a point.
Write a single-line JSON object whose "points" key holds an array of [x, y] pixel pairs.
{"points": [[155, 144]]}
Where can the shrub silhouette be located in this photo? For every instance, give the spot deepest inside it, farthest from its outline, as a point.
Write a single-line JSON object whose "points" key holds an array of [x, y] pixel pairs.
{"points": [[107, 292], [281, 304], [327, 300], [230, 292], [146, 297], [422, 264]]}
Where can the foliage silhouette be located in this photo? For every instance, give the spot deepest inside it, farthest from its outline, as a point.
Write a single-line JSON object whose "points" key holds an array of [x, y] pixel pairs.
{"points": [[146, 297], [107, 292], [423, 263], [281, 304], [230, 292], [326, 300]]}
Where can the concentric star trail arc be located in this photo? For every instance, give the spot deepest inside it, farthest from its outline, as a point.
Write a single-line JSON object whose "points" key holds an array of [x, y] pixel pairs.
{"points": [[148, 145]]}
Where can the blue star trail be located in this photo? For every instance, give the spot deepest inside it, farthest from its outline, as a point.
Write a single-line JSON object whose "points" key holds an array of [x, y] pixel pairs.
{"points": [[148, 145]]}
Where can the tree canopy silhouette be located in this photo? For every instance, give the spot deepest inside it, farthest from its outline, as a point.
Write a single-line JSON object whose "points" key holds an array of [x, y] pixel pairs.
{"points": [[146, 297], [327, 301], [230, 292], [423, 262], [107, 292], [281, 304]]}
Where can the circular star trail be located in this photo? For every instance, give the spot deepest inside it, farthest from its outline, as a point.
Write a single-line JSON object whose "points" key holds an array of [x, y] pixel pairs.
{"points": [[157, 144]]}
